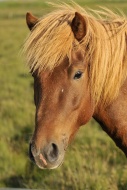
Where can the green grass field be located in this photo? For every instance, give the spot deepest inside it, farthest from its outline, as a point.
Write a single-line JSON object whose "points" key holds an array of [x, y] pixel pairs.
{"points": [[92, 161]]}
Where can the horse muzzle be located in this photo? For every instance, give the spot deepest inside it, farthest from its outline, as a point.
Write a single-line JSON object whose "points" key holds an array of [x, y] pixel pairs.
{"points": [[50, 156]]}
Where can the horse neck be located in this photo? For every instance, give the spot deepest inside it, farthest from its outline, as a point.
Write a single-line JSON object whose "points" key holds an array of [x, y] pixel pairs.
{"points": [[113, 119]]}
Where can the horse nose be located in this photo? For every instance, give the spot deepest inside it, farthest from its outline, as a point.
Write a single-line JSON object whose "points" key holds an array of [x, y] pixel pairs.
{"points": [[51, 152]]}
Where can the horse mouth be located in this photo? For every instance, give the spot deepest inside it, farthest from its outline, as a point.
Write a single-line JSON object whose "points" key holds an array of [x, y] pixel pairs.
{"points": [[42, 163]]}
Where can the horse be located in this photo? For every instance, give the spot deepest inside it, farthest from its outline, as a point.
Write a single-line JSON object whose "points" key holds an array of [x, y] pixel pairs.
{"points": [[78, 60]]}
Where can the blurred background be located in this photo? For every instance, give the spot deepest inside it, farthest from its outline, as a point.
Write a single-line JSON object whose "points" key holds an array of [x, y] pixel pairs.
{"points": [[92, 161]]}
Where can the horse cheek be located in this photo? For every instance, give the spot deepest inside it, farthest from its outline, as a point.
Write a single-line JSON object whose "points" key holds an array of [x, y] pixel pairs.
{"points": [[86, 110]]}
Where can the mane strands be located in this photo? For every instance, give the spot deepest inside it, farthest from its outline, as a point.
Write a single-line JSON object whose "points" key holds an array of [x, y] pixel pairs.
{"points": [[50, 41], [104, 47]]}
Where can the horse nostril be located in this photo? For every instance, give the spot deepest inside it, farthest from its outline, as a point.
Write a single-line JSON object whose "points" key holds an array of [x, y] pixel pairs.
{"points": [[30, 153], [54, 150], [52, 153]]}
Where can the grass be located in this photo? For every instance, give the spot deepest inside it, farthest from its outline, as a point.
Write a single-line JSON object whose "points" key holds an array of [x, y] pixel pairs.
{"points": [[92, 161]]}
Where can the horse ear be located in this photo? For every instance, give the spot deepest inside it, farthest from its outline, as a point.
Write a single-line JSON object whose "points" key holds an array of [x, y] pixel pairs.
{"points": [[78, 26], [31, 20]]}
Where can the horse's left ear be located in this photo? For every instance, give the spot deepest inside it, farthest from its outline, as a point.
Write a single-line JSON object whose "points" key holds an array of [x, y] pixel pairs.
{"points": [[31, 20], [78, 26]]}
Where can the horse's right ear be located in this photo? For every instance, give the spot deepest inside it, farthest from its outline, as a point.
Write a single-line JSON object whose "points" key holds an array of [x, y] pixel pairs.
{"points": [[31, 20]]}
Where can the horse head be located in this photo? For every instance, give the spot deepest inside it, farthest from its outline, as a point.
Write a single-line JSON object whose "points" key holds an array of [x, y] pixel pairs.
{"points": [[62, 100]]}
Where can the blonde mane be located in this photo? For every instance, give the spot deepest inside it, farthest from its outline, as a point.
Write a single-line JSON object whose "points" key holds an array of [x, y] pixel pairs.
{"points": [[104, 47]]}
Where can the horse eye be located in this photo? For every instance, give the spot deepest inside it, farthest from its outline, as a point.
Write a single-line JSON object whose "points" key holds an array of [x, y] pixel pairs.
{"points": [[78, 75]]}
